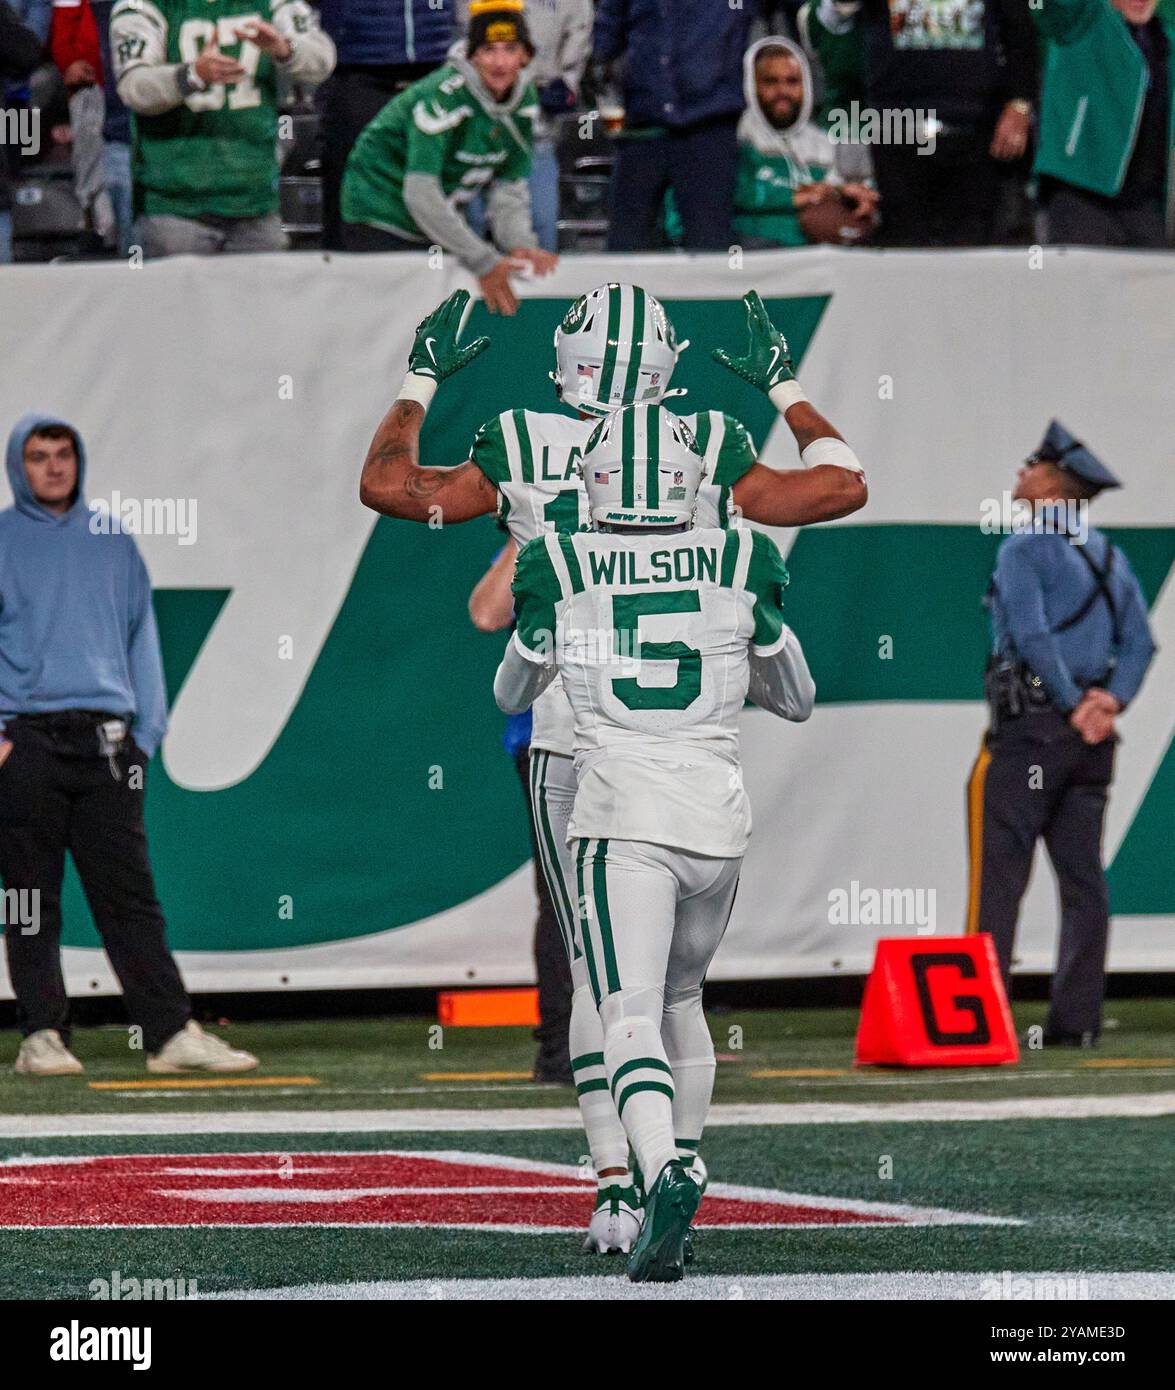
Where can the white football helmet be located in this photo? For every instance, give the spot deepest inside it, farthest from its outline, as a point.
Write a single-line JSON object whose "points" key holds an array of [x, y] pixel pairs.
{"points": [[615, 346], [642, 467]]}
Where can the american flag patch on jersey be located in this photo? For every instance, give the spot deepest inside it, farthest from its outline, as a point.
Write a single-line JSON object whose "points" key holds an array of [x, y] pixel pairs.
{"points": [[600, 477]]}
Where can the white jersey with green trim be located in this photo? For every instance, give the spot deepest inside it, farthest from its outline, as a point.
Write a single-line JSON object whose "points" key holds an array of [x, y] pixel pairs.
{"points": [[530, 456], [652, 636]]}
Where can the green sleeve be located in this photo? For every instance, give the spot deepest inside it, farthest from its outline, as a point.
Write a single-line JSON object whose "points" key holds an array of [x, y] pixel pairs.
{"points": [[767, 577], [536, 594], [736, 454], [489, 452]]}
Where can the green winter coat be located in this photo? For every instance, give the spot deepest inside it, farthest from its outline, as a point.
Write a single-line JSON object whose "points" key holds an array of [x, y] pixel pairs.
{"points": [[1092, 94]]}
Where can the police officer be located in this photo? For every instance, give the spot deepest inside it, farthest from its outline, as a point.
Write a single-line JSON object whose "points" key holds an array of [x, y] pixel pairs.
{"points": [[1070, 647]]}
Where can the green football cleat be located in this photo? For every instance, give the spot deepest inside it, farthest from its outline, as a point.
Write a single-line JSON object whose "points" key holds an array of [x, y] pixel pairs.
{"points": [[659, 1254]]}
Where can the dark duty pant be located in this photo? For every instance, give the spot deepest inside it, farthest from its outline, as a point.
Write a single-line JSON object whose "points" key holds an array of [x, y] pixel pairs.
{"points": [[550, 955], [58, 794], [1035, 778]]}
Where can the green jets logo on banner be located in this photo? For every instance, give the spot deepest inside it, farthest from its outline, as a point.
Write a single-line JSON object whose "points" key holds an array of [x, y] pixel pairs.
{"points": [[389, 776]]}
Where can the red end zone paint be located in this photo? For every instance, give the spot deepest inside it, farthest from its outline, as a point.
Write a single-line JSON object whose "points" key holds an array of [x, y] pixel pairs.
{"points": [[370, 1189]]}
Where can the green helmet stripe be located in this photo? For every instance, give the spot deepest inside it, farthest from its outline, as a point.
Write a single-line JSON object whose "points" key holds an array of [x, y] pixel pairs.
{"points": [[652, 459], [627, 458], [608, 374], [632, 377]]}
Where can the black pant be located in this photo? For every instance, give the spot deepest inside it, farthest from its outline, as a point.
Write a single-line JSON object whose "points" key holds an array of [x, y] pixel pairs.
{"points": [[948, 198], [57, 793], [1077, 218], [1037, 778], [353, 95], [700, 164], [550, 954]]}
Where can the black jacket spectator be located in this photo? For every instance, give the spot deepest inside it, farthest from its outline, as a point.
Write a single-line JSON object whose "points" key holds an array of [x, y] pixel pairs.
{"points": [[683, 94], [683, 58]]}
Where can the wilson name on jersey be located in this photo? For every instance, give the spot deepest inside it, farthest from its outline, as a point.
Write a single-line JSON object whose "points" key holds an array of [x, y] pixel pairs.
{"points": [[530, 456], [652, 635]]}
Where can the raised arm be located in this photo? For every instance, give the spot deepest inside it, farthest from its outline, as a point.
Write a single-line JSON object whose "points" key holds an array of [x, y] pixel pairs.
{"points": [[832, 482], [393, 481]]}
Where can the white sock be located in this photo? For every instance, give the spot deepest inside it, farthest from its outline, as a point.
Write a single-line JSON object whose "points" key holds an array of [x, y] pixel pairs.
{"points": [[607, 1141], [642, 1083], [690, 1050]]}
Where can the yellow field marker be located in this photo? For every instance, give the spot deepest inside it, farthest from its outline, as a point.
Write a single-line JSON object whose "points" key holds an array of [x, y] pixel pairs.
{"points": [[186, 1083], [772, 1074], [1104, 1062], [476, 1076]]}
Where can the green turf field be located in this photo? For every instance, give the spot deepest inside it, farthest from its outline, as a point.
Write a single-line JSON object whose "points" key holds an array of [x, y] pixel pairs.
{"points": [[1062, 1163]]}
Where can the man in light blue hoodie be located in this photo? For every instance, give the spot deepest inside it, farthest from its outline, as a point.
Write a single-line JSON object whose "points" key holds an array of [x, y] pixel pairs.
{"points": [[82, 710]]}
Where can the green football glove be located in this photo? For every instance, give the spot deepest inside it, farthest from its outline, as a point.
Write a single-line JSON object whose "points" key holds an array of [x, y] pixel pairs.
{"points": [[767, 361], [435, 350]]}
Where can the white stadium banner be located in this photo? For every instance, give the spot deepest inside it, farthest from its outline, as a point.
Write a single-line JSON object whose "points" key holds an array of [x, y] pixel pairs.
{"points": [[294, 835]]}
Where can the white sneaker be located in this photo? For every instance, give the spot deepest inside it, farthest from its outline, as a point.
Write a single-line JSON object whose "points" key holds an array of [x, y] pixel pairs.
{"points": [[615, 1223], [192, 1049], [44, 1054]]}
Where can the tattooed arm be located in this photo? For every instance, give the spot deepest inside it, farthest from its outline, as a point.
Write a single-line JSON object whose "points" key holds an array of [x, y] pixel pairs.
{"points": [[394, 484]]}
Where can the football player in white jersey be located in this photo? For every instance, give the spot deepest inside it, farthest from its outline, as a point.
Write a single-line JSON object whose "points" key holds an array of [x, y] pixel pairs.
{"points": [[615, 346], [659, 631]]}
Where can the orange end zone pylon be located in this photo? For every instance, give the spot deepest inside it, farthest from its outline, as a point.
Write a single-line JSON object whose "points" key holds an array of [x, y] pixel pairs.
{"points": [[488, 1008]]}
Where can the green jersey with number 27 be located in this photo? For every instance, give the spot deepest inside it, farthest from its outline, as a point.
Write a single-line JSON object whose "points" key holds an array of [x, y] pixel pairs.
{"points": [[530, 456]]}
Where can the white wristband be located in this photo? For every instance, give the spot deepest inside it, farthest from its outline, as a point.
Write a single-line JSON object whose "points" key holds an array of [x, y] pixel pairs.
{"points": [[785, 394], [418, 388], [833, 451]]}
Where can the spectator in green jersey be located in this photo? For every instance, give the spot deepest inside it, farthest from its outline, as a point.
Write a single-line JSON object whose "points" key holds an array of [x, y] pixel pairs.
{"points": [[462, 130], [201, 78]]}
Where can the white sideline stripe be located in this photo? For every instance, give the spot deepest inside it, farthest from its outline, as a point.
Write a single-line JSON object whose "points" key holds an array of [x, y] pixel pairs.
{"points": [[1002, 1286], [475, 1121]]}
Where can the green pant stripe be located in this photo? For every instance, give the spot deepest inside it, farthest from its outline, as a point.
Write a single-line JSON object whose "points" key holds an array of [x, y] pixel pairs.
{"points": [[642, 1086], [632, 377], [649, 1063], [525, 454], [548, 851], [588, 1059], [585, 927], [603, 915], [583, 1087], [608, 374]]}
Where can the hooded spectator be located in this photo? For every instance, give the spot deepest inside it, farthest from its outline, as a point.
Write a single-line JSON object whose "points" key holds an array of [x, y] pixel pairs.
{"points": [[789, 190]]}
